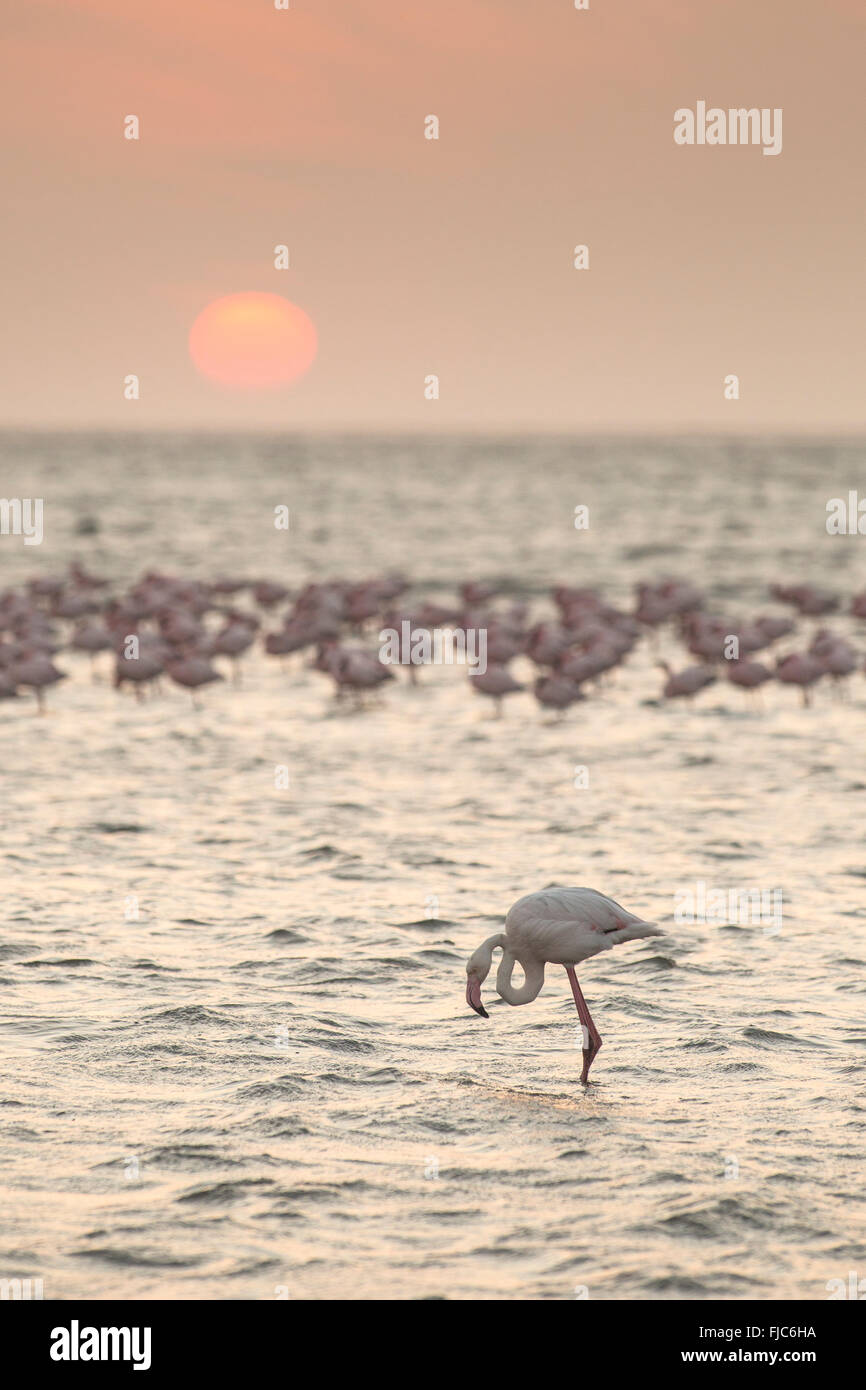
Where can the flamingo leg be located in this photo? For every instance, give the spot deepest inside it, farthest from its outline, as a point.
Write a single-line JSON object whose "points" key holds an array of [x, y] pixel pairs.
{"points": [[591, 1035]]}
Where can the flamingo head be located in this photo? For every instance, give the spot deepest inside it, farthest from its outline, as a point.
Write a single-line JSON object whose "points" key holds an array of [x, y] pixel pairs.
{"points": [[477, 970]]}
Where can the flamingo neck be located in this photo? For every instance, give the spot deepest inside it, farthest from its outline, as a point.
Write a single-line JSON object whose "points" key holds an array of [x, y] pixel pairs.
{"points": [[484, 953], [532, 969]]}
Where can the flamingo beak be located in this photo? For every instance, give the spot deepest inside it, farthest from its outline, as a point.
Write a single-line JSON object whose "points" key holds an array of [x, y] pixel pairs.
{"points": [[473, 996]]}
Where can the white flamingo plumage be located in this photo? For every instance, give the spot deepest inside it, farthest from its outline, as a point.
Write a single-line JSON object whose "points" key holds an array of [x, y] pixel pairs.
{"points": [[559, 926]]}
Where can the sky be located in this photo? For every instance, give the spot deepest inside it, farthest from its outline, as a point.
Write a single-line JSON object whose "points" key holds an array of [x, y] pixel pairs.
{"points": [[451, 258]]}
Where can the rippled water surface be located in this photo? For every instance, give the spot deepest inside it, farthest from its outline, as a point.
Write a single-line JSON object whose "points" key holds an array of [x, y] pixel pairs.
{"points": [[269, 1083]]}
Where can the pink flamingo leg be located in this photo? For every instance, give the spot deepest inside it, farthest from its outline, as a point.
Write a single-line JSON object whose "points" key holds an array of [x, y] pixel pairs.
{"points": [[591, 1035]]}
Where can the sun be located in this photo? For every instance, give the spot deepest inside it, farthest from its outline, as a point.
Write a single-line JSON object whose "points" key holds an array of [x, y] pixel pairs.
{"points": [[253, 341]]}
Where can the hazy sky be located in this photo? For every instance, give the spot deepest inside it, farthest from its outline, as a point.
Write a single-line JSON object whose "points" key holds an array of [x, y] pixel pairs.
{"points": [[453, 257]]}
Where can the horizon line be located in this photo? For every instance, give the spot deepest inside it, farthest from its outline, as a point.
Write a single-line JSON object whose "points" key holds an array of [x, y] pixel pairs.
{"points": [[646, 432]]}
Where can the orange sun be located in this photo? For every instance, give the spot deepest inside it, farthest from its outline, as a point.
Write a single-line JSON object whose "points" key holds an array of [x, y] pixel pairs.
{"points": [[253, 341]]}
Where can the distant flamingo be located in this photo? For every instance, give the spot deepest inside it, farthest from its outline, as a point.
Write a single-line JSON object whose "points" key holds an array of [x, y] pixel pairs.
{"points": [[93, 637], [560, 926], [811, 601], [798, 668], [773, 628], [555, 692], [361, 671], [35, 672], [232, 641], [351, 668], [476, 591], [268, 594], [686, 682], [838, 657], [192, 671], [286, 641], [496, 682], [140, 670], [748, 675]]}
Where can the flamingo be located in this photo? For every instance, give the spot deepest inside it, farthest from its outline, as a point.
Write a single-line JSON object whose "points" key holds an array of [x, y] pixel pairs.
{"points": [[798, 668], [555, 692], [141, 669], [232, 641], [809, 600], [748, 675], [496, 681], [837, 656], [192, 671], [559, 926], [686, 682], [268, 594], [35, 670]]}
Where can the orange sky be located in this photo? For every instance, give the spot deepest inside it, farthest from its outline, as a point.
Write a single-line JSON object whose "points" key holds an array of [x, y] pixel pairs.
{"points": [[412, 257]]}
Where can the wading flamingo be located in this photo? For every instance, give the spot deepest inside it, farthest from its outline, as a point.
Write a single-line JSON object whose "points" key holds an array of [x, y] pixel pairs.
{"points": [[687, 682], [559, 926]]}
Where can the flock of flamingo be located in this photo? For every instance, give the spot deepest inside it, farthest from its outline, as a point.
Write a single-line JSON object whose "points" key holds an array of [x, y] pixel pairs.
{"points": [[183, 629]]}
